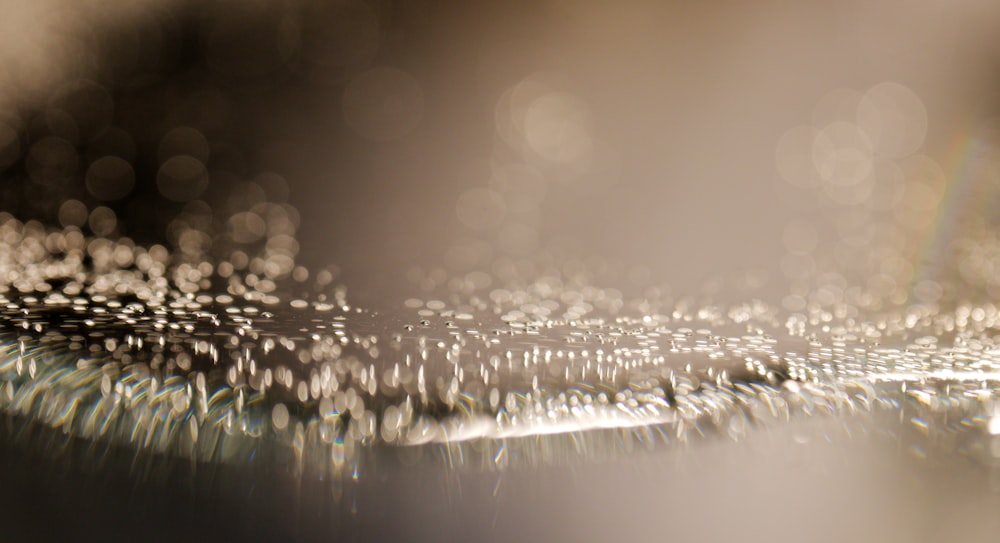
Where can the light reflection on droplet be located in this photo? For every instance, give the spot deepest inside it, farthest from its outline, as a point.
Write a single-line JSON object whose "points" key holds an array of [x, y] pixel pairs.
{"points": [[279, 416], [247, 227], [102, 221], [836, 105], [73, 213], [182, 178], [888, 185], [794, 157], [557, 127], [113, 141], [184, 140], [894, 118], [842, 154], [110, 178]]}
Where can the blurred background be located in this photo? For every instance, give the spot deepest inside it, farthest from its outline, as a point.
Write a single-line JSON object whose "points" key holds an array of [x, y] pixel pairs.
{"points": [[668, 148], [655, 137]]}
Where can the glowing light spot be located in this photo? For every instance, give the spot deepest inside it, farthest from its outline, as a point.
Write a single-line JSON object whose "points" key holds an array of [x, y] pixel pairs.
{"points": [[73, 213], [183, 140], [894, 118], [557, 127], [110, 178], [182, 178], [279, 416], [842, 154], [102, 221], [794, 157]]}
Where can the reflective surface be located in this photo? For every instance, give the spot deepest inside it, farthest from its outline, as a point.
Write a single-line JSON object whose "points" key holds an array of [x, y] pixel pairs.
{"points": [[300, 272]]}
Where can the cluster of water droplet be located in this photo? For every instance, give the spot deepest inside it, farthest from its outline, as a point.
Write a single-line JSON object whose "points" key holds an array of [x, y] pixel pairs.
{"points": [[213, 344], [139, 346]]}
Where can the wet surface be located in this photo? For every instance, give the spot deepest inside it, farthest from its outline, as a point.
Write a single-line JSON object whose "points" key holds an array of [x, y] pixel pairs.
{"points": [[298, 416], [364, 271]]}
